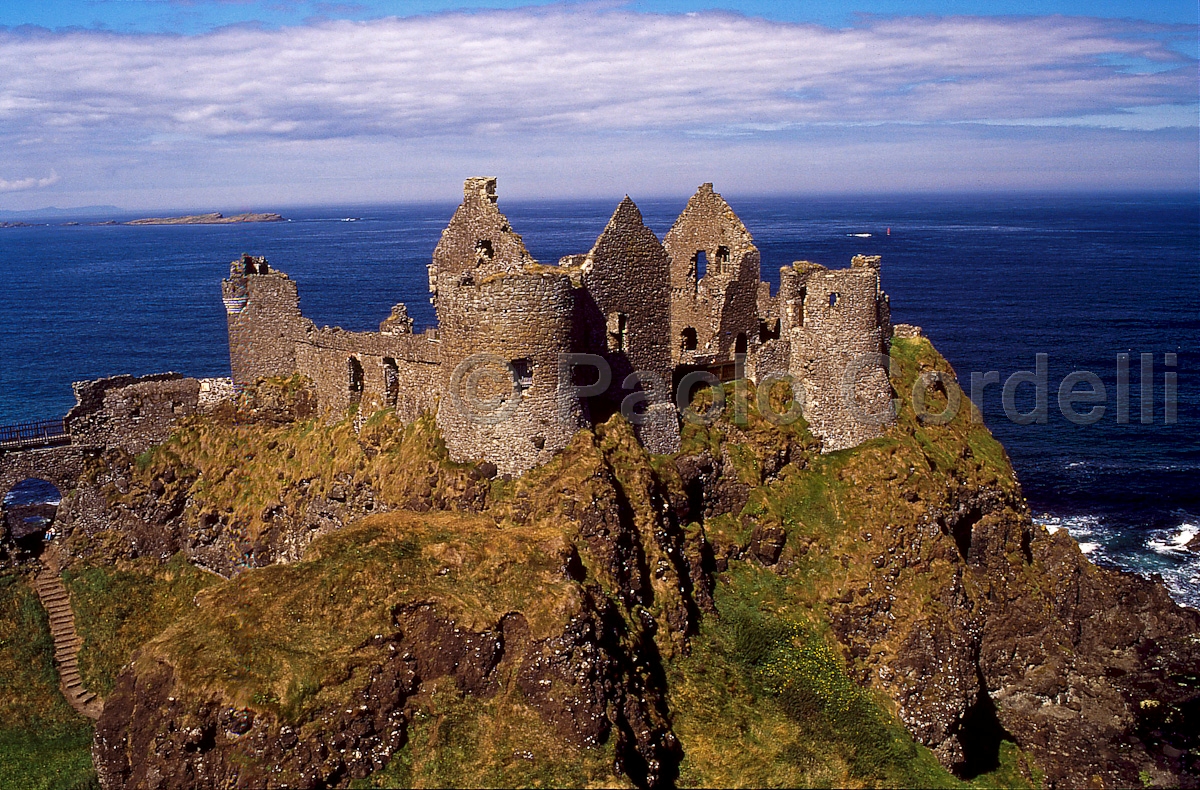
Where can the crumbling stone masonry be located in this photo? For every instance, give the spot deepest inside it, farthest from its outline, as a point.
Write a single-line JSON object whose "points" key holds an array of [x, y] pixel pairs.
{"points": [[511, 369], [118, 413]]}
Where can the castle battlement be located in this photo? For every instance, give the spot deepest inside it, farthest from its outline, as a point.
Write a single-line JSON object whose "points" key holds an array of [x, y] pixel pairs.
{"points": [[502, 370]]}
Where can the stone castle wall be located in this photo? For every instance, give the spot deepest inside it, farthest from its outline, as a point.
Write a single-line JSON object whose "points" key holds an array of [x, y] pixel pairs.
{"points": [[504, 322], [131, 413], [710, 312], [503, 339], [372, 370], [478, 239], [624, 304], [836, 324], [262, 309]]}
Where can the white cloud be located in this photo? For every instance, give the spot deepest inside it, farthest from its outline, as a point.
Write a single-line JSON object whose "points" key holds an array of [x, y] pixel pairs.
{"points": [[578, 71], [18, 185]]}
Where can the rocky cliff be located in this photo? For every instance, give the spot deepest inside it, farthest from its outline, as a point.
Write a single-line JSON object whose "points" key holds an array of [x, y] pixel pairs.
{"points": [[747, 611]]}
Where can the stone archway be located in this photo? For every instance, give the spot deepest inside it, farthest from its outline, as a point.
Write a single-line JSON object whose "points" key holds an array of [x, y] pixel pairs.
{"points": [[29, 509], [58, 468], [61, 466]]}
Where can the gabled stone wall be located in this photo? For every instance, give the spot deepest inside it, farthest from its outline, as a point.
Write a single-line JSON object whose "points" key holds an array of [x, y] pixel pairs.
{"points": [[626, 298], [721, 305], [478, 239]]}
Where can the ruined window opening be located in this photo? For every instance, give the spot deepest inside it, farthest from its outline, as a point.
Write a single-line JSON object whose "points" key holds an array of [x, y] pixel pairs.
{"points": [[355, 370], [689, 341], [798, 319], [522, 370], [483, 250], [833, 299], [618, 325], [700, 264], [391, 379], [742, 344], [722, 254], [768, 330]]}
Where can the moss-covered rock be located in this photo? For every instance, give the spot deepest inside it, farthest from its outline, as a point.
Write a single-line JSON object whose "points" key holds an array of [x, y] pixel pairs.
{"points": [[748, 611]]}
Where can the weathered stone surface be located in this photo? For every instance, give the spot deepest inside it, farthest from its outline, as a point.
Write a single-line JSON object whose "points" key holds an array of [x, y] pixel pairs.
{"points": [[638, 304]]}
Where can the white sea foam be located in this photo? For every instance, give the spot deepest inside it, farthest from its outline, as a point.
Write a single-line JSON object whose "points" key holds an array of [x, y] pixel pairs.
{"points": [[1076, 526], [1088, 547], [1173, 542]]}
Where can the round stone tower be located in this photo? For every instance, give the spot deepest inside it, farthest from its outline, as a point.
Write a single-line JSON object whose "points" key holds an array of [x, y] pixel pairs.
{"points": [[504, 338]]}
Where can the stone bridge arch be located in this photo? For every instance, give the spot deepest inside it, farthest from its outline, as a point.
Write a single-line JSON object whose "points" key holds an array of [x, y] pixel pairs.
{"points": [[62, 466]]}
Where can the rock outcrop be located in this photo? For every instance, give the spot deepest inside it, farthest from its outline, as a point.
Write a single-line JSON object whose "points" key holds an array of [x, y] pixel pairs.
{"points": [[564, 604]]}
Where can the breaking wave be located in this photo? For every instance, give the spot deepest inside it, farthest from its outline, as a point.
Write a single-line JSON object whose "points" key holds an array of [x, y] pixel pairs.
{"points": [[1160, 551]]}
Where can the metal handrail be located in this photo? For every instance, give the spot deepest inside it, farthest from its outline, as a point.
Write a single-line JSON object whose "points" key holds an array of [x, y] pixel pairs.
{"points": [[37, 432]]}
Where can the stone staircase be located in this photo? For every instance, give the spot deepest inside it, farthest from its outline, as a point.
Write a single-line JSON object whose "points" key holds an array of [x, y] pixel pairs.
{"points": [[66, 641]]}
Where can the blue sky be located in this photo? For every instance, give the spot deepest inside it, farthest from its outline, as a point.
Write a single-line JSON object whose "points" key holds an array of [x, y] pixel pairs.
{"points": [[158, 16], [245, 104]]}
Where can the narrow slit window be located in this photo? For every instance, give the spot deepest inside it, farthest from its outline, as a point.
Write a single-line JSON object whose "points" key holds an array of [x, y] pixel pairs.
{"points": [[618, 328], [355, 375], [391, 379]]}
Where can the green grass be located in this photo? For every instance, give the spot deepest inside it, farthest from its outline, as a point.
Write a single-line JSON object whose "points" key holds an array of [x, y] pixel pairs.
{"points": [[461, 741], [43, 742], [118, 609], [288, 639], [764, 700], [56, 760]]}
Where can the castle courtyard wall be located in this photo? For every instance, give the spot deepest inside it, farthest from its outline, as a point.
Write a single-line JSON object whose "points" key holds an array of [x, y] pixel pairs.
{"points": [[401, 372], [262, 310]]}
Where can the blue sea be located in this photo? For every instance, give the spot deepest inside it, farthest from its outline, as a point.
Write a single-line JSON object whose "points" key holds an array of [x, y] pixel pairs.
{"points": [[993, 280]]}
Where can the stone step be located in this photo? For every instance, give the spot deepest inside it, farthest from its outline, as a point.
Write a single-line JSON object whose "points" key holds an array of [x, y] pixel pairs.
{"points": [[57, 602]]}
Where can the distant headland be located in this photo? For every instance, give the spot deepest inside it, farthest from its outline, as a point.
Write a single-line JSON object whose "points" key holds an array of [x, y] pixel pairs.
{"points": [[215, 218]]}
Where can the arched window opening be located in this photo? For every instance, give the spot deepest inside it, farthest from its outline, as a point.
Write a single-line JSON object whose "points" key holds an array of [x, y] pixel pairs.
{"points": [[355, 371], [688, 339], [391, 381], [741, 344], [29, 509], [833, 299]]}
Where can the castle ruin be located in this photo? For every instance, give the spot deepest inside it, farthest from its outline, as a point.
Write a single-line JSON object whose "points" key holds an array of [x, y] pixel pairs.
{"points": [[525, 354]]}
